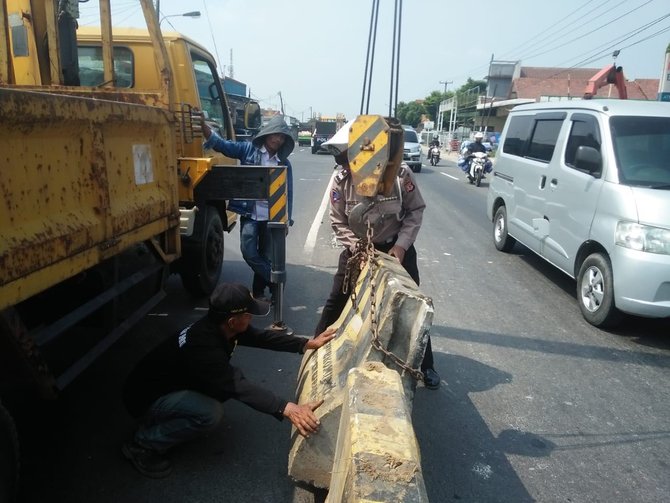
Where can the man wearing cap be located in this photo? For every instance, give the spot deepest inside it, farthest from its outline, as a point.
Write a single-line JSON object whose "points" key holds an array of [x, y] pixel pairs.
{"points": [[178, 389], [271, 147], [395, 235]]}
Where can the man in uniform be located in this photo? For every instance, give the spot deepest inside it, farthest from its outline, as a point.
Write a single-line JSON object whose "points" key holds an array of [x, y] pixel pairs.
{"points": [[394, 234]]}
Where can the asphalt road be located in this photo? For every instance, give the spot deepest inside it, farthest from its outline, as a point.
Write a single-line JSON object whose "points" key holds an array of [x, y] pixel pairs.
{"points": [[535, 404]]}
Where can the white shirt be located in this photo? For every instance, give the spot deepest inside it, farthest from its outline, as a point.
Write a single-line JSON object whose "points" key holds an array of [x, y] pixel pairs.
{"points": [[261, 210]]}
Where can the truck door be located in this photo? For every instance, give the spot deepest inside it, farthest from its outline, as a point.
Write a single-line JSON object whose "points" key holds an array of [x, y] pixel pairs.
{"points": [[572, 195], [211, 95]]}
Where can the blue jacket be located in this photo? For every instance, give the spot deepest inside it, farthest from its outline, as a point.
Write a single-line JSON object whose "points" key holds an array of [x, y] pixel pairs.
{"points": [[249, 154]]}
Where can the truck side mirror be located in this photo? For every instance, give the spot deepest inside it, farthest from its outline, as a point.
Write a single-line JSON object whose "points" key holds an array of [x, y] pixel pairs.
{"points": [[252, 115], [589, 159]]}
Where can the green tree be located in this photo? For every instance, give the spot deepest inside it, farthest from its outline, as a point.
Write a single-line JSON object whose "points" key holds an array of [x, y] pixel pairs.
{"points": [[432, 102], [410, 113]]}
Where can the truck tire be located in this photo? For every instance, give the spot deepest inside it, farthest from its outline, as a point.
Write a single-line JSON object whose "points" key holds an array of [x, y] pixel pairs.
{"points": [[9, 457], [202, 261]]}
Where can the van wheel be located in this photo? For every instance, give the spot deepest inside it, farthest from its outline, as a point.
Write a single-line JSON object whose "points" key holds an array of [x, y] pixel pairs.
{"points": [[595, 291], [9, 457], [503, 241], [202, 261]]}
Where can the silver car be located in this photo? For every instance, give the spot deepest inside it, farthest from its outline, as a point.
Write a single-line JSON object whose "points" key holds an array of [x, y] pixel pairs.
{"points": [[585, 184], [412, 151]]}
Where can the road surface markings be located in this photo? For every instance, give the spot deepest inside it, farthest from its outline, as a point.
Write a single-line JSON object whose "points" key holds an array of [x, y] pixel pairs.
{"points": [[450, 176], [310, 242]]}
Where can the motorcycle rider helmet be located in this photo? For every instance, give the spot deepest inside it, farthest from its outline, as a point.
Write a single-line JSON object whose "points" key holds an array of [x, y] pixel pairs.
{"points": [[479, 135]]}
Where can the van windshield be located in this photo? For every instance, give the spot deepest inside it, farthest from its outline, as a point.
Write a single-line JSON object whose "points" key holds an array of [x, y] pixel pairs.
{"points": [[411, 137], [642, 150]]}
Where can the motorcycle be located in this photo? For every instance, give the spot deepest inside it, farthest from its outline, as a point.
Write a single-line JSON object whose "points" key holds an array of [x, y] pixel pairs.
{"points": [[478, 164], [434, 155]]}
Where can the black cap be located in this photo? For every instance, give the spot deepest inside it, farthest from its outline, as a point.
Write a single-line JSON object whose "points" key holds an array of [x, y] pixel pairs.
{"points": [[231, 298]]}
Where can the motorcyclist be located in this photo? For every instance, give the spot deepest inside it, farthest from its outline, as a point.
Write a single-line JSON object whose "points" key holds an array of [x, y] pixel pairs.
{"points": [[477, 145], [472, 148], [434, 144]]}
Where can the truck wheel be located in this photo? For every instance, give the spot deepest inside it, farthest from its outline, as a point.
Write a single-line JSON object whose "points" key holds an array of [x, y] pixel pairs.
{"points": [[9, 457], [202, 261], [595, 291], [503, 241]]}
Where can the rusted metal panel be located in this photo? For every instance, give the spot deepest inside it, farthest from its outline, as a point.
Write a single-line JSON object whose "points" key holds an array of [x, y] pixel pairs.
{"points": [[81, 180], [4, 45]]}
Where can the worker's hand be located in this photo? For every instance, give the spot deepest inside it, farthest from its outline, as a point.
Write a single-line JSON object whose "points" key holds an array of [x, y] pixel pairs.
{"points": [[397, 252], [321, 339], [206, 130], [204, 127], [303, 418]]}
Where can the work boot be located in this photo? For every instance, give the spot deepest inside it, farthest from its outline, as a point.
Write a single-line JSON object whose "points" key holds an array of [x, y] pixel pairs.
{"points": [[147, 461], [431, 379]]}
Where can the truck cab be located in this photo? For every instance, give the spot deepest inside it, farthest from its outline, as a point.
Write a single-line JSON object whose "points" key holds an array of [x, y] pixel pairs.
{"points": [[197, 90]]}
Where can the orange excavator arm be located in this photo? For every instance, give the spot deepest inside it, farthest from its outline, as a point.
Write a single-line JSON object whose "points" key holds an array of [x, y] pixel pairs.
{"points": [[608, 75]]}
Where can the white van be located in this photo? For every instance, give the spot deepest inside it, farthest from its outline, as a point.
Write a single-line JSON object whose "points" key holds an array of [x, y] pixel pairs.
{"points": [[585, 184]]}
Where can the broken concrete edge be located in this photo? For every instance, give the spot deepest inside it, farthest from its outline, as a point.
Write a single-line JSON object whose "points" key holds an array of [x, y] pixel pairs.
{"points": [[404, 317], [377, 457]]}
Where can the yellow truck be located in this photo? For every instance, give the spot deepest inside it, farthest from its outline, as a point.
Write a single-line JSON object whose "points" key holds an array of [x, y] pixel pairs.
{"points": [[105, 188]]}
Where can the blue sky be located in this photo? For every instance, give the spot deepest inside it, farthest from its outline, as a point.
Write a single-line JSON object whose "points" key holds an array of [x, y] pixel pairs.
{"points": [[313, 52]]}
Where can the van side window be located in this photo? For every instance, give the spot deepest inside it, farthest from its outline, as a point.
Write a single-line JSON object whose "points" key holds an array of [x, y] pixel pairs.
{"points": [[91, 72], [584, 132], [543, 140], [517, 136]]}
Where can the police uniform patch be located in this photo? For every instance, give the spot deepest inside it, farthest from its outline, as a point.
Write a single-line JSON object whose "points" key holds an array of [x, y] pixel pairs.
{"points": [[409, 185], [341, 175], [335, 195]]}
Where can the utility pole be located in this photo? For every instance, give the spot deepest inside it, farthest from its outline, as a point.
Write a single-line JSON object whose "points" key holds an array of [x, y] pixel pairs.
{"points": [[446, 83]]}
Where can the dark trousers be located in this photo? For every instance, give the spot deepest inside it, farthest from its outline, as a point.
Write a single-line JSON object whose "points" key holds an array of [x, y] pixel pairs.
{"points": [[337, 300]]}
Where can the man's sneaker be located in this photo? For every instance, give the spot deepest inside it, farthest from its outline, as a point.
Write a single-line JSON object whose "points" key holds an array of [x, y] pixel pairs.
{"points": [[147, 461], [431, 379]]}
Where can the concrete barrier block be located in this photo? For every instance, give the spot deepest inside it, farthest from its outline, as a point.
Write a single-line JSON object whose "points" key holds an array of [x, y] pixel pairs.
{"points": [[377, 457], [404, 317]]}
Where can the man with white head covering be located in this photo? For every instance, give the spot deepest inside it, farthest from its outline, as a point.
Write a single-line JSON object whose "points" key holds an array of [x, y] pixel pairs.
{"points": [[394, 234]]}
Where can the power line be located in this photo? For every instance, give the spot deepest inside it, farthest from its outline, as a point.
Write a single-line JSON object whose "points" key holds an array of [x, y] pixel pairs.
{"points": [[588, 33], [545, 33], [600, 55], [566, 31], [609, 45], [211, 32]]}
